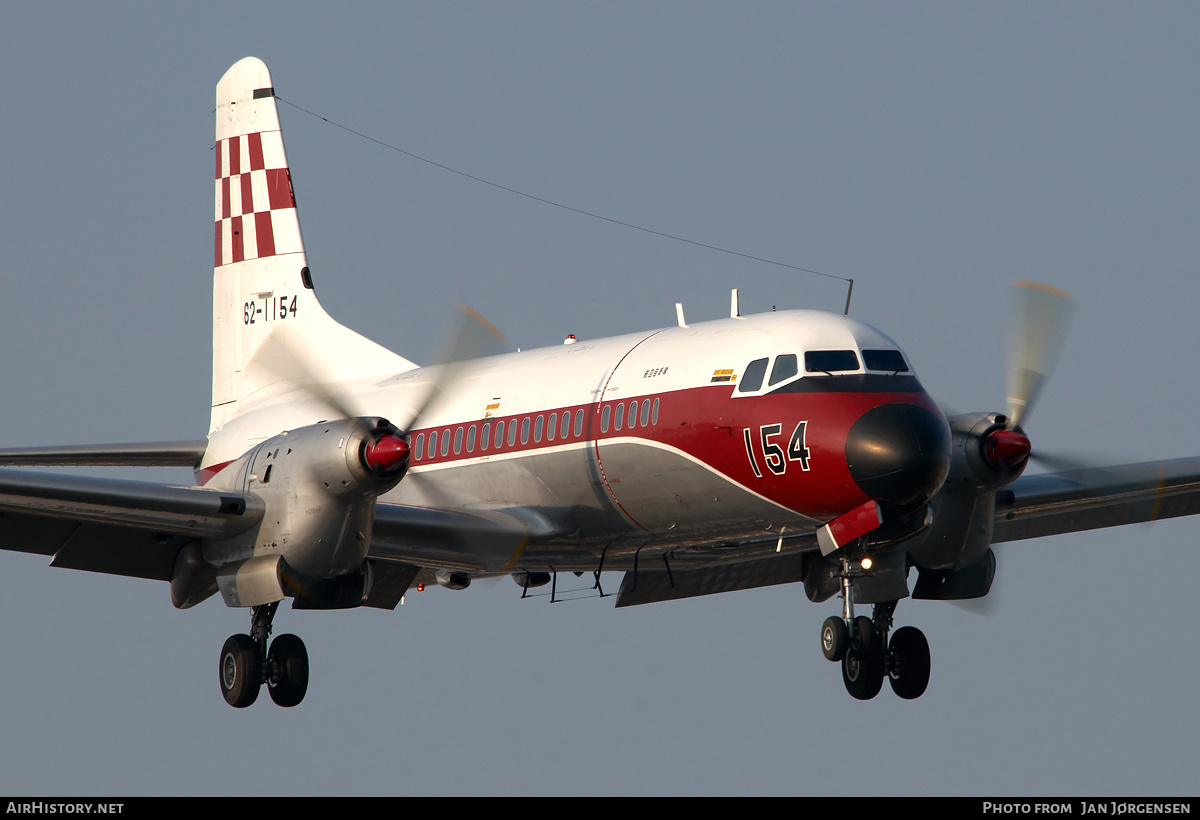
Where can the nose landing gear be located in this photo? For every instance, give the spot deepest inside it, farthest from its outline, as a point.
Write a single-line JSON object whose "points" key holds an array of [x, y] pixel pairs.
{"points": [[866, 654], [246, 664]]}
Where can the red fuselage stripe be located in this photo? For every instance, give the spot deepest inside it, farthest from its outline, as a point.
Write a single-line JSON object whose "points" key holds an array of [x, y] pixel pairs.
{"points": [[205, 474], [713, 425]]}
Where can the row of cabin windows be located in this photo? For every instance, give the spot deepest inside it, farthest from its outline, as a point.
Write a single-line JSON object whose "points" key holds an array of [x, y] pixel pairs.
{"points": [[493, 433], [648, 417], [819, 361]]}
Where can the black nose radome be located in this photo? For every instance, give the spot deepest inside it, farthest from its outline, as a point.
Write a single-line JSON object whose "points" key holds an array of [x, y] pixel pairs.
{"points": [[899, 453]]}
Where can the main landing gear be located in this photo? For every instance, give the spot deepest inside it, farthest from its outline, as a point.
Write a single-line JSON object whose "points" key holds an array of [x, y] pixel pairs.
{"points": [[866, 654], [246, 664]]}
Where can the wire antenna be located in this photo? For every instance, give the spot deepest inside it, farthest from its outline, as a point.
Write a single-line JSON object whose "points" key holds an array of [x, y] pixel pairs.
{"points": [[573, 210]]}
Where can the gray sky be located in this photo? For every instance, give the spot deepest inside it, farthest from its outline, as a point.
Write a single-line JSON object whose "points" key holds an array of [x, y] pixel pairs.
{"points": [[933, 152]]}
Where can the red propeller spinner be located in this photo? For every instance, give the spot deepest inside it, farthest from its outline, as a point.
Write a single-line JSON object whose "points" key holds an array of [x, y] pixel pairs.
{"points": [[386, 454], [1006, 448]]}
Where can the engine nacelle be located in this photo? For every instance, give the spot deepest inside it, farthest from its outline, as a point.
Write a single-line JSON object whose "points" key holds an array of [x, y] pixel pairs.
{"points": [[985, 458], [981, 456], [318, 485]]}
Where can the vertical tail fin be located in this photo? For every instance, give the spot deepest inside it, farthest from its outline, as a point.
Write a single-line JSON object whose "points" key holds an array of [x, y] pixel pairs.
{"points": [[264, 307]]}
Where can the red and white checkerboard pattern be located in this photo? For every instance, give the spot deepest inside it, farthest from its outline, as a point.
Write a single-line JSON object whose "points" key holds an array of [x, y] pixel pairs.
{"points": [[256, 210]]}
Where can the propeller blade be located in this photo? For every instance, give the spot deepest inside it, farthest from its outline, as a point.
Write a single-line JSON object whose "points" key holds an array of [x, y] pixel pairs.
{"points": [[987, 606], [472, 337], [1043, 314], [288, 362]]}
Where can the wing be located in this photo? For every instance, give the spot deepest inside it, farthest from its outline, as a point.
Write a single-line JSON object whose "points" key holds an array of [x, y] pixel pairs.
{"points": [[1088, 499], [1031, 507], [136, 528], [120, 527]]}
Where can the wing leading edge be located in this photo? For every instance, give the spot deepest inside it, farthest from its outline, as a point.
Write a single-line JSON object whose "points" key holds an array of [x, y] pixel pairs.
{"points": [[1093, 498], [133, 528]]}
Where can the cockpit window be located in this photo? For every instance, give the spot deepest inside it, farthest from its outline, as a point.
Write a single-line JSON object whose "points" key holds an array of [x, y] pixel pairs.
{"points": [[890, 360], [785, 367], [752, 379], [830, 361]]}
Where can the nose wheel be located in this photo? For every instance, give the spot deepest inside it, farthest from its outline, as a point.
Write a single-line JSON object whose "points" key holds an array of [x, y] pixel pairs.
{"points": [[247, 663], [867, 655]]}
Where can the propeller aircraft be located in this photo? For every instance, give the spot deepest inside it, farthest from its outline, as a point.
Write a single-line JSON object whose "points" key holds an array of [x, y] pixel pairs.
{"points": [[790, 447]]}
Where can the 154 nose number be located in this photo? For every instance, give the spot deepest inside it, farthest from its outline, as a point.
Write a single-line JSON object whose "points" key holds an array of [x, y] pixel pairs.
{"points": [[773, 455]]}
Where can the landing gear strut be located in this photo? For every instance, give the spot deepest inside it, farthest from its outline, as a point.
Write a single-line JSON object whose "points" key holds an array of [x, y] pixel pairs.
{"points": [[866, 654], [246, 664]]}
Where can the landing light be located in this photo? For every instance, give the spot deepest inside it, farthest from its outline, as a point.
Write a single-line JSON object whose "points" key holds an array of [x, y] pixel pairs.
{"points": [[867, 563]]}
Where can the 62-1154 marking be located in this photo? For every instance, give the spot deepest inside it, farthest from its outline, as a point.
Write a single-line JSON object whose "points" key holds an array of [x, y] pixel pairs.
{"points": [[773, 455], [272, 308]]}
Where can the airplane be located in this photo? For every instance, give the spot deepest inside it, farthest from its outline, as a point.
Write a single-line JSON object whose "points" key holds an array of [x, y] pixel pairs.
{"points": [[794, 446]]}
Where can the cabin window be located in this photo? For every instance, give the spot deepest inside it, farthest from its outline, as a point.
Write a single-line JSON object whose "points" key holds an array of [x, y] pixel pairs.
{"points": [[891, 361], [432, 451], [551, 426], [499, 434], [604, 414], [512, 433], [752, 379], [578, 422], [645, 412], [525, 430], [446, 441], [830, 361], [484, 434], [538, 424], [654, 413], [458, 434], [785, 367], [471, 439], [419, 450], [566, 423], [620, 417]]}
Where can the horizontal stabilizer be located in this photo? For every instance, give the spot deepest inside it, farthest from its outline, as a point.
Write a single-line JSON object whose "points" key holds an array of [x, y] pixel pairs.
{"points": [[138, 454]]}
